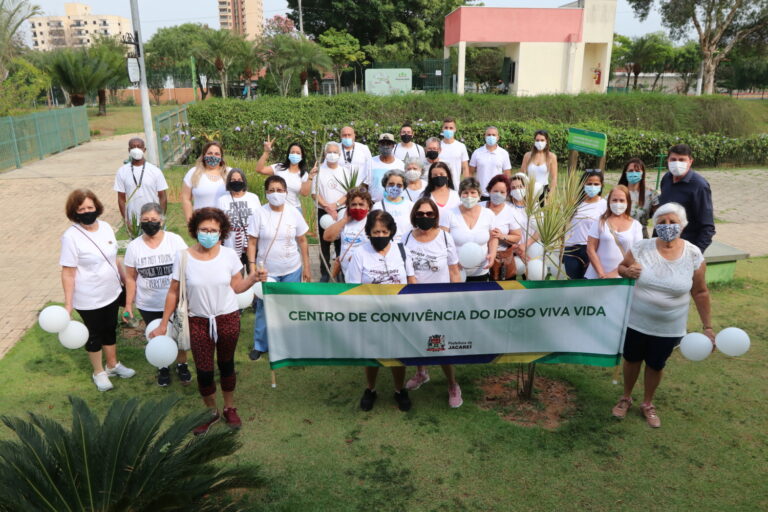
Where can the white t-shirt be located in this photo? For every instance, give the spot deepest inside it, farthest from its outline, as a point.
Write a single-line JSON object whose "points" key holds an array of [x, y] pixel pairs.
{"points": [[414, 152], [488, 164], [585, 215], [153, 269], [539, 172], [415, 195], [479, 234], [129, 178], [607, 251], [209, 286], [328, 183], [454, 154], [522, 220], [401, 212], [662, 292], [278, 249], [376, 172], [357, 157], [97, 282], [505, 221], [238, 210], [293, 181], [445, 210], [207, 191], [352, 236], [431, 259], [370, 267]]}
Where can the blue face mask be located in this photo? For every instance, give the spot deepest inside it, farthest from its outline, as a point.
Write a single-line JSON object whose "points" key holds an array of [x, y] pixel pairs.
{"points": [[347, 142], [394, 192], [592, 190], [207, 240], [634, 177], [294, 158], [491, 140], [212, 161], [448, 134]]}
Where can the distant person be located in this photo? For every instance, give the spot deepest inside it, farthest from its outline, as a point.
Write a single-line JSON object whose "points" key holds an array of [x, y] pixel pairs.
{"points": [[354, 155], [540, 163], [238, 204], [432, 149], [204, 183], [293, 170], [453, 152], [591, 207], [406, 148], [643, 198], [380, 164], [396, 202], [489, 160], [685, 186], [137, 183]]}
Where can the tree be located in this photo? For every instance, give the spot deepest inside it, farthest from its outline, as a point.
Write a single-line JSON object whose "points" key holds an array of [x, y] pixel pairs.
{"points": [[12, 14], [484, 66], [308, 56], [720, 25], [221, 50], [687, 62], [23, 86], [287, 55], [622, 49], [343, 49], [80, 72], [648, 54], [111, 52]]}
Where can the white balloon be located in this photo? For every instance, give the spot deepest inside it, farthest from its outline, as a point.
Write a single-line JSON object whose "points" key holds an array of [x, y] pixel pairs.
{"points": [[535, 270], [244, 299], [257, 291], [151, 326], [53, 319], [326, 221], [695, 346], [471, 255], [74, 335], [161, 351], [535, 250], [519, 266], [732, 341]]}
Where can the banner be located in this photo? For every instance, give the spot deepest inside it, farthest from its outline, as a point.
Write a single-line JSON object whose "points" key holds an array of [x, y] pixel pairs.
{"points": [[580, 322]]}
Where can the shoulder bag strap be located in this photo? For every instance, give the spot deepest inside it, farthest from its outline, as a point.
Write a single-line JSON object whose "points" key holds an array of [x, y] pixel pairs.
{"points": [[102, 252], [615, 239], [183, 275]]}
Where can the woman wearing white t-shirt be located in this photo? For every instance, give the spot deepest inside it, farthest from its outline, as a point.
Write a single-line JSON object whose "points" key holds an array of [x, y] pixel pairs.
{"points": [[204, 183], [591, 207], [471, 223], [395, 202], [329, 194], [148, 266], [213, 278], [441, 190], [518, 186], [414, 184], [379, 261], [435, 260], [505, 228], [669, 271], [540, 163], [276, 240], [350, 228], [612, 236], [293, 170], [239, 205], [92, 281]]}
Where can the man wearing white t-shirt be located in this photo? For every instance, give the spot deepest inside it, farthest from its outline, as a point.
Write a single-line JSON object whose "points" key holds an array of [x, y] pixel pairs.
{"points": [[354, 156], [489, 160], [380, 164], [407, 149], [453, 152], [137, 183], [432, 149]]}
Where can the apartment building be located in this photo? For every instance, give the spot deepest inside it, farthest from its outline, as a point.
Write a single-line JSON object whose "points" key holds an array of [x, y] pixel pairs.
{"points": [[78, 28], [244, 17]]}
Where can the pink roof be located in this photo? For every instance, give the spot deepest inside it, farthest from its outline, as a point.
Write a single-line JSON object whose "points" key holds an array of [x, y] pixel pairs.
{"points": [[513, 25]]}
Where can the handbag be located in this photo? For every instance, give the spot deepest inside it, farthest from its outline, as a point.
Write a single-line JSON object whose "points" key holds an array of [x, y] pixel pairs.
{"points": [[181, 315], [121, 297], [504, 266]]}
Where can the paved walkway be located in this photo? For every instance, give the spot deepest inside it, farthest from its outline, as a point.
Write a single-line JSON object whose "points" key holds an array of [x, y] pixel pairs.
{"points": [[30, 234]]}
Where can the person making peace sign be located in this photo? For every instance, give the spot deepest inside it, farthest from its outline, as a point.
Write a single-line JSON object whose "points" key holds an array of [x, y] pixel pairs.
{"points": [[293, 170]]}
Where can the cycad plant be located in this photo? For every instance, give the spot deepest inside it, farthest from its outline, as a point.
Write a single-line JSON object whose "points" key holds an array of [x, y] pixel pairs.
{"points": [[81, 72], [123, 463]]}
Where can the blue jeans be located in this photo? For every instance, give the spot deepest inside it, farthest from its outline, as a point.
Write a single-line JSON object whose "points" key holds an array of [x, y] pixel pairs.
{"points": [[260, 322], [575, 261]]}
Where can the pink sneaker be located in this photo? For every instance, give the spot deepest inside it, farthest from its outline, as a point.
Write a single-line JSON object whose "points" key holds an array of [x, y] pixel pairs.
{"points": [[454, 397], [415, 382], [649, 412]]}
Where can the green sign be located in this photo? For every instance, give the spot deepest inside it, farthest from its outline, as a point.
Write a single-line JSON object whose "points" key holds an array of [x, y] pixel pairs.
{"points": [[583, 141]]}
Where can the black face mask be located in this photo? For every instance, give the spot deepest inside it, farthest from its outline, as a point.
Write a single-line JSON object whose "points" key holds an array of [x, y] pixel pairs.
{"points": [[236, 186], [150, 228], [425, 223], [379, 242], [87, 218], [432, 154], [406, 138], [439, 181]]}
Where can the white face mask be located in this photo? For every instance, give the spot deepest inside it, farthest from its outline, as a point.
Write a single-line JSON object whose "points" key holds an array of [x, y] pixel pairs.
{"points": [[518, 194], [277, 198], [136, 154], [618, 208], [412, 175], [540, 144], [469, 201], [332, 157], [677, 168]]}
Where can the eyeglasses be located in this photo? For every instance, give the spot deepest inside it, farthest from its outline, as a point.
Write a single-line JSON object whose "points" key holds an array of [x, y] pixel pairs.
{"points": [[430, 215]]}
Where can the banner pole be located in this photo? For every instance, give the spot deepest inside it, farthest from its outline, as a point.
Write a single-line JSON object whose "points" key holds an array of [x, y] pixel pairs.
{"points": [[274, 379]]}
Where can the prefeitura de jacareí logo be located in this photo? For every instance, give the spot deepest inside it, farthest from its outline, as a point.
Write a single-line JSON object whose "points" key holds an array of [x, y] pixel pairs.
{"points": [[436, 343]]}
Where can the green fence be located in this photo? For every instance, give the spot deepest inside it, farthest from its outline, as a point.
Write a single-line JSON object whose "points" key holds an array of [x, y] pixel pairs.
{"points": [[173, 135], [33, 136]]}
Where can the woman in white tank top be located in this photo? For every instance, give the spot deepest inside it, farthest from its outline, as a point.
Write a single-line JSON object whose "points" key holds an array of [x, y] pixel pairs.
{"points": [[540, 164]]}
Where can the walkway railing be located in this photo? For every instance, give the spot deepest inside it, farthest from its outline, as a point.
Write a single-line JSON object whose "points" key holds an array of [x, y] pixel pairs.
{"points": [[33, 136], [173, 135]]}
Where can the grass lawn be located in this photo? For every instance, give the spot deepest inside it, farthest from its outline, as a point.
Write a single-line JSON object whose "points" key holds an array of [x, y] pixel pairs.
{"points": [[120, 120]]}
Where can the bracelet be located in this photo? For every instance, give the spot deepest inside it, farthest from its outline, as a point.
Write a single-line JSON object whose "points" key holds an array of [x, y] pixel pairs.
{"points": [[707, 327], [251, 261]]}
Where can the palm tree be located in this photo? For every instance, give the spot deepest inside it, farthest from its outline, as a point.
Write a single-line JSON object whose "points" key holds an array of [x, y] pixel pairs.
{"points": [[12, 14], [647, 53], [123, 463], [308, 55], [221, 50], [81, 72]]}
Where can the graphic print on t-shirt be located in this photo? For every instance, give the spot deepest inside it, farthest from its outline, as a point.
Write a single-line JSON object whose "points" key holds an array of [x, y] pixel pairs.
{"points": [[423, 261], [157, 270], [385, 276], [238, 214]]}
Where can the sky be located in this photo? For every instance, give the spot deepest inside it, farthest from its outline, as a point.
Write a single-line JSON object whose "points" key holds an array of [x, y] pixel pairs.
{"points": [[163, 13]]}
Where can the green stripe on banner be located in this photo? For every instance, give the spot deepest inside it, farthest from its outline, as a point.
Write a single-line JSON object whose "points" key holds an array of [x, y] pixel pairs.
{"points": [[575, 283], [306, 288], [581, 358], [323, 362]]}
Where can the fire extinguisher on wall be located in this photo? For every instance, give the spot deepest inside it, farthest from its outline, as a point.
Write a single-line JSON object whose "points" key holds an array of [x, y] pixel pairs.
{"points": [[597, 74]]}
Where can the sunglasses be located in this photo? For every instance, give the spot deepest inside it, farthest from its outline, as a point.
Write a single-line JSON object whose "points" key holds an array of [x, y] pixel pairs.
{"points": [[430, 215]]}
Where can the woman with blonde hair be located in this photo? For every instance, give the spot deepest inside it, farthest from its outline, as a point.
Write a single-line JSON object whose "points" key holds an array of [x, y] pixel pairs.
{"points": [[205, 182]]}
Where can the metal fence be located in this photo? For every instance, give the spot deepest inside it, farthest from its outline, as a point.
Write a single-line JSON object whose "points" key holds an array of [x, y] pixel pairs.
{"points": [[173, 136], [33, 136], [428, 74]]}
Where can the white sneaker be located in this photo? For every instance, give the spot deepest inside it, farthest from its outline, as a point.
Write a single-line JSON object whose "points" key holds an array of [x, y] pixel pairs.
{"points": [[102, 381], [120, 371]]}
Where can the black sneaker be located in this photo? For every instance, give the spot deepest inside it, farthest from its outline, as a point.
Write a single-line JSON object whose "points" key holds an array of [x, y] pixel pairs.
{"points": [[403, 402], [255, 355], [182, 370], [163, 377], [366, 403]]}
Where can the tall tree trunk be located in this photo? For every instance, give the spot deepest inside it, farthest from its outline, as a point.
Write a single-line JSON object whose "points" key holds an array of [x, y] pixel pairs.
{"points": [[102, 102], [655, 81], [710, 68], [77, 100], [628, 75], [223, 80], [637, 75]]}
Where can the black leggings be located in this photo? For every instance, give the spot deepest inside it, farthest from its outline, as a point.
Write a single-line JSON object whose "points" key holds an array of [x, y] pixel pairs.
{"points": [[102, 326], [150, 316], [479, 279]]}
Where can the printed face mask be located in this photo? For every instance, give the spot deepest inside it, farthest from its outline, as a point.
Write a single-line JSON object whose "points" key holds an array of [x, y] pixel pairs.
{"points": [[150, 228], [277, 198], [394, 192], [432, 154], [518, 194], [207, 240], [406, 138], [448, 134], [136, 154], [347, 142], [491, 140], [87, 218], [592, 190], [412, 175], [668, 232], [212, 161], [634, 177], [332, 158], [439, 181], [358, 213], [425, 223], [236, 186], [469, 201], [379, 242], [677, 168], [294, 158], [618, 208], [498, 198], [540, 144]]}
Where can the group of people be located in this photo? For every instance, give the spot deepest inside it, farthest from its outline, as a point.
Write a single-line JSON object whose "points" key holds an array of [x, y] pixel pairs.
{"points": [[399, 217]]}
